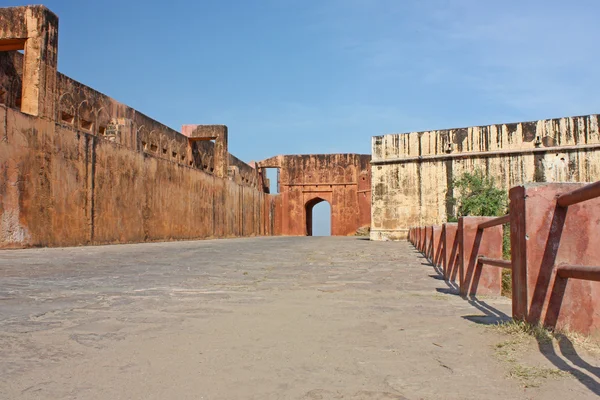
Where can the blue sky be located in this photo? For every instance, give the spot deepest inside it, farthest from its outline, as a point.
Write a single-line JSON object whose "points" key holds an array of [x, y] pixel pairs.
{"points": [[323, 76]]}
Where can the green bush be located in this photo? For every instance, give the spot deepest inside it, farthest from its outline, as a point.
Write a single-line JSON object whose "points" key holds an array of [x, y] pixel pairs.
{"points": [[475, 194]]}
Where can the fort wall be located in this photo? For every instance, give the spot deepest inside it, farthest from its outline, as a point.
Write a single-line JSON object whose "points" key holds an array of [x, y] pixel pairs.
{"points": [[412, 172], [78, 167]]}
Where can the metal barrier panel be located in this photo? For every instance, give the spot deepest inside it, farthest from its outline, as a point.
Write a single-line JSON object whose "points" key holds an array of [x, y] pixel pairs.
{"points": [[450, 251], [436, 248], [476, 278], [544, 235]]}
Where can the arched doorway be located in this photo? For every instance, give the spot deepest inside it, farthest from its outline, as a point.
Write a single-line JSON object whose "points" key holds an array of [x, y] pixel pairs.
{"points": [[318, 219]]}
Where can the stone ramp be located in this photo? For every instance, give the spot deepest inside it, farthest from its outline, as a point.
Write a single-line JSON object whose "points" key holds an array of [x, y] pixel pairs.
{"points": [[259, 318]]}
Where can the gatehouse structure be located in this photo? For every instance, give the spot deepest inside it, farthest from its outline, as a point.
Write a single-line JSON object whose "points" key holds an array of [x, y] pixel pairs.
{"points": [[342, 180]]}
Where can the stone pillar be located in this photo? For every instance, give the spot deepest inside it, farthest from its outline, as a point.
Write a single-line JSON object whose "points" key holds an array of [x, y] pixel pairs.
{"points": [[473, 242], [33, 29]]}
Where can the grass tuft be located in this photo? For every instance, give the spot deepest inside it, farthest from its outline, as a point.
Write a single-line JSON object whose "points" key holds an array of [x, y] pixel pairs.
{"points": [[510, 350], [524, 329]]}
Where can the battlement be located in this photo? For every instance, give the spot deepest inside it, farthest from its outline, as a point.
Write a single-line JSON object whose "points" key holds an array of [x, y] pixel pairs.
{"points": [[78, 167], [29, 82]]}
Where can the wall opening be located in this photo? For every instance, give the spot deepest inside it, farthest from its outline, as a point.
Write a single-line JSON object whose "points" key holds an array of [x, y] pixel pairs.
{"points": [[318, 217], [273, 177], [19, 46], [67, 118], [86, 125]]}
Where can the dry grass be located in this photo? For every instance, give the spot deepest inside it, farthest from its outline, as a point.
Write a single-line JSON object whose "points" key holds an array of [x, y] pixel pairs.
{"points": [[531, 376], [524, 330], [509, 351]]}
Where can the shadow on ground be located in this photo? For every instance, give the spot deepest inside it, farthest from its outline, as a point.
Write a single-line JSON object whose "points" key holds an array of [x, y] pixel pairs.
{"points": [[569, 360]]}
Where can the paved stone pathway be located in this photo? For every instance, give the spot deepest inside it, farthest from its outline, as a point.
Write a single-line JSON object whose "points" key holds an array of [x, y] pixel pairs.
{"points": [[259, 318]]}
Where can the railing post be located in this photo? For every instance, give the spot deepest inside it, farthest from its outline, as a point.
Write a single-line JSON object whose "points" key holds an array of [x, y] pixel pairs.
{"points": [[436, 249], [427, 249], [450, 251], [476, 278], [544, 235]]}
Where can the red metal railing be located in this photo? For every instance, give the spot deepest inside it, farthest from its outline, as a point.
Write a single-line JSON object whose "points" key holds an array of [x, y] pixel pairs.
{"points": [[585, 193], [495, 222], [578, 272], [495, 262], [572, 313]]}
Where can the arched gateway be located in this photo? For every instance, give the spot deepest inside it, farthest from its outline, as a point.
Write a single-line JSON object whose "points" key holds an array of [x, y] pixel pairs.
{"points": [[308, 211], [343, 180]]}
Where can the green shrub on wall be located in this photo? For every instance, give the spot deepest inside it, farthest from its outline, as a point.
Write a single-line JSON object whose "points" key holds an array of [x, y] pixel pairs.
{"points": [[476, 195]]}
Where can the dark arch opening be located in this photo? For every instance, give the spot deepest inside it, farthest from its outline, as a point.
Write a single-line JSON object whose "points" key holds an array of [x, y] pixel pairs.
{"points": [[321, 215]]}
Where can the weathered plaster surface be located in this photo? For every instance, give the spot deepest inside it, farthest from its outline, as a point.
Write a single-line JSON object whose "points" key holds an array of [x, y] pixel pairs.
{"points": [[412, 172]]}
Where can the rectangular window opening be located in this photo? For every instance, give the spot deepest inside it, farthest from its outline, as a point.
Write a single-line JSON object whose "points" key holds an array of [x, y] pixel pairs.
{"points": [[87, 125], [102, 130], [164, 151], [153, 147], [66, 117], [273, 177]]}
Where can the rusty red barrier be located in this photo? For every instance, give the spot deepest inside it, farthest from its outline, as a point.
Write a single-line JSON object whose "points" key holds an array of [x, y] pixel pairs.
{"points": [[553, 233], [427, 250], [476, 278], [579, 272], [495, 262], [585, 193], [450, 251], [549, 244], [436, 246], [495, 222]]}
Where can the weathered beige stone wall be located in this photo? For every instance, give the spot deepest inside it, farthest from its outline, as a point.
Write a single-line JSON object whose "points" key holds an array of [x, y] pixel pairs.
{"points": [[412, 172]]}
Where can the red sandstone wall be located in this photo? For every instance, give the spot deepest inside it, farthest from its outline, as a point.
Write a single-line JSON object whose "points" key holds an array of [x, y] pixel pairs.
{"points": [[61, 186], [116, 122], [343, 180]]}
